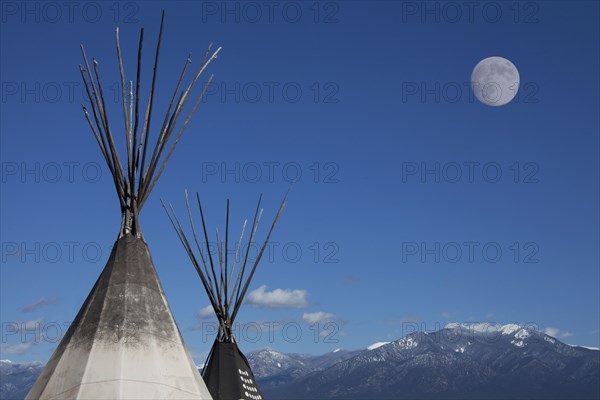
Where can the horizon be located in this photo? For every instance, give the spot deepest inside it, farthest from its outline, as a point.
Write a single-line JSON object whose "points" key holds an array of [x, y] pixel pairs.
{"points": [[472, 326]]}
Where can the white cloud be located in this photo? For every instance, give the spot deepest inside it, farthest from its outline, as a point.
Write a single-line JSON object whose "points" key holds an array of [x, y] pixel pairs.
{"points": [[555, 332], [15, 348], [326, 333], [377, 345], [32, 326], [39, 303], [317, 317], [550, 331], [33, 330], [278, 298], [205, 312]]}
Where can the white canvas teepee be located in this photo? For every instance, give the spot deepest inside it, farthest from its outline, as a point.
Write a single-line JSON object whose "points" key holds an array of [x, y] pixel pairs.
{"points": [[227, 372], [124, 342]]}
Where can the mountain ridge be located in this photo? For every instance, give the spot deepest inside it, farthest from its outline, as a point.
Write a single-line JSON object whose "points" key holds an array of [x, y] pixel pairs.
{"points": [[477, 361], [467, 361]]}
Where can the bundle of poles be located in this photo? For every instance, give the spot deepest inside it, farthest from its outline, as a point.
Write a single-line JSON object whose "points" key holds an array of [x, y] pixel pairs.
{"points": [[134, 185], [225, 293]]}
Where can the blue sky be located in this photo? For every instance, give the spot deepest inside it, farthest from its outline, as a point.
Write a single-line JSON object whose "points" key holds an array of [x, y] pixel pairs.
{"points": [[356, 99]]}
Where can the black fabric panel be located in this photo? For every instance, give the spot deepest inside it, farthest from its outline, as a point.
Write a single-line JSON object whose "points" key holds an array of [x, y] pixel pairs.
{"points": [[228, 375]]}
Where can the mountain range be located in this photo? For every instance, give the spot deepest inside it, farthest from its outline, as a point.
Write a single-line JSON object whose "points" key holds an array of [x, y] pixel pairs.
{"points": [[460, 361]]}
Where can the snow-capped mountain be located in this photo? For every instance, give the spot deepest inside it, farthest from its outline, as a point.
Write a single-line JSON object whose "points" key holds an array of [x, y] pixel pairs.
{"points": [[17, 378], [274, 369], [460, 361], [267, 363], [464, 361]]}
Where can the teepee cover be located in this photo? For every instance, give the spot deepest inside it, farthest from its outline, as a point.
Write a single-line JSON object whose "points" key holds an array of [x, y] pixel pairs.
{"points": [[228, 374]]}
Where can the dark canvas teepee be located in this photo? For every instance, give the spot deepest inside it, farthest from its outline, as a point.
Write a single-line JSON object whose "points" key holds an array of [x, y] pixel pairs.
{"points": [[124, 342], [227, 372]]}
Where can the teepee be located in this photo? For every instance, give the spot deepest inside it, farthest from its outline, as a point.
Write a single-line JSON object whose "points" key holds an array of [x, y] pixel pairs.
{"points": [[227, 372], [124, 342]]}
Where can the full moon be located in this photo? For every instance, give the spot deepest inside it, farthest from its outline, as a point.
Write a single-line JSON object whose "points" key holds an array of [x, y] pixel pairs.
{"points": [[495, 81]]}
